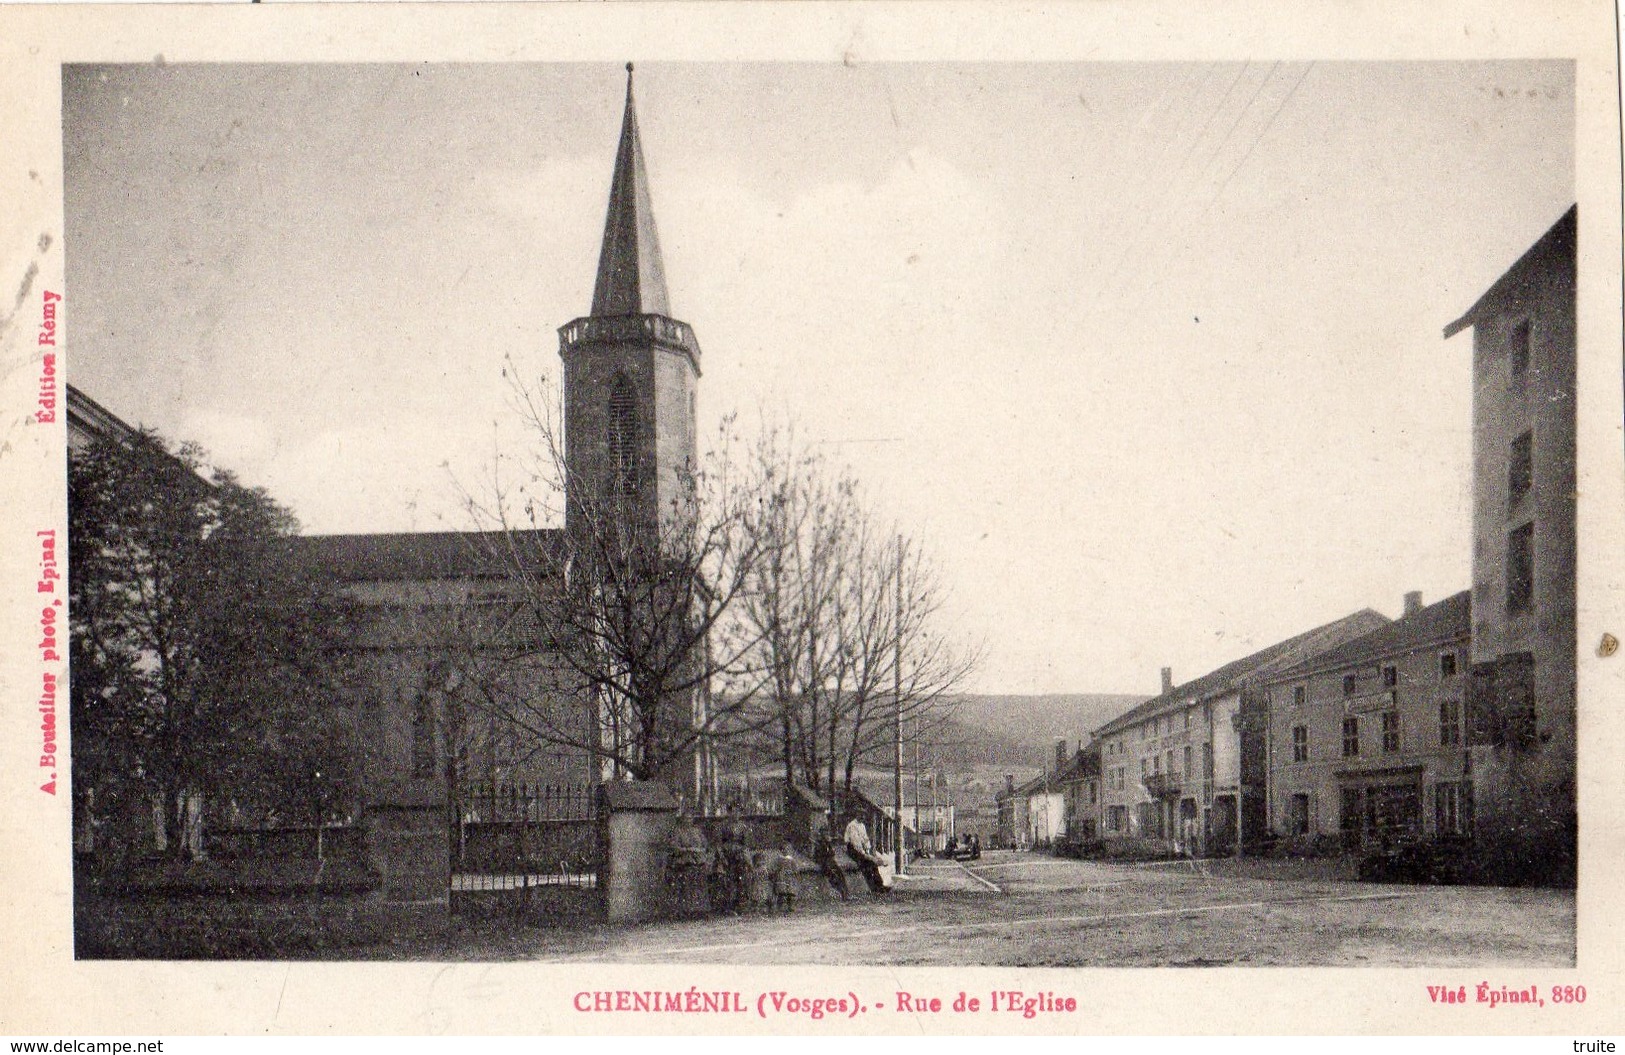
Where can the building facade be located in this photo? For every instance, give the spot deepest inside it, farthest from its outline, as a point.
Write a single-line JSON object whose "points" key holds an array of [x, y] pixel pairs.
{"points": [[1172, 774], [1045, 825], [1080, 790], [432, 667], [1366, 742], [1032, 814], [1522, 734]]}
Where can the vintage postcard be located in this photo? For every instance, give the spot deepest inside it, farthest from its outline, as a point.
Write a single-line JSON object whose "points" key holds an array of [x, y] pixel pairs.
{"points": [[820, 518]]}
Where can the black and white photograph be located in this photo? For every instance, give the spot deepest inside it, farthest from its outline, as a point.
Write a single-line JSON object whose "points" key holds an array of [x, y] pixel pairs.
{"points": [[640, 511]]}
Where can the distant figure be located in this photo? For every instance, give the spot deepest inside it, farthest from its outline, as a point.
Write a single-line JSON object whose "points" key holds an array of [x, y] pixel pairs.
{"points": [[733, 869], [862, 853], [688, 864], [782, 876], [975, 847], [828, 866]]}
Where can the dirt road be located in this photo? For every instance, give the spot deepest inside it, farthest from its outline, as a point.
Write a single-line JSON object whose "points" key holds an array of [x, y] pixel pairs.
{"points": [[1031, 910]]}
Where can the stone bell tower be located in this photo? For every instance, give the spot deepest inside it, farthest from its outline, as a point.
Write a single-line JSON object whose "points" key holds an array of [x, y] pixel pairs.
{"points": [[630, 369]]}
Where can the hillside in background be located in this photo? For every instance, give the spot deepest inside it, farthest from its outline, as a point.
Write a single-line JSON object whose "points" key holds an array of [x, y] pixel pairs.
{"points": [[1023, 729], [961, 745], [987, 739]]}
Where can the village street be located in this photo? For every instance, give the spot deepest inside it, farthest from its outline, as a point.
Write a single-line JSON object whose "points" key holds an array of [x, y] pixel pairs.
{"points": [[1035, 910]]}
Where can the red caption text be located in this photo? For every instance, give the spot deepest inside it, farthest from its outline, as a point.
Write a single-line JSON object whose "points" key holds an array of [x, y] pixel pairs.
{"points": [[785, 1004]]}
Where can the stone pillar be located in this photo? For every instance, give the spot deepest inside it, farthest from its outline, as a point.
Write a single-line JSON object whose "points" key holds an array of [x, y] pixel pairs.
{"points": [[409, 843], [638, 821]]}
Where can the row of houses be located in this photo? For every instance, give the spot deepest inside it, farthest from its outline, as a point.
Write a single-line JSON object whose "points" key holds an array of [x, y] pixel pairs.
{"points": [[1264, 745], [1457, 719]]}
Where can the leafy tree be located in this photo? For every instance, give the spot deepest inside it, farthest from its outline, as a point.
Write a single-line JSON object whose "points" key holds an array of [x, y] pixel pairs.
{"points": [[198, 647]]}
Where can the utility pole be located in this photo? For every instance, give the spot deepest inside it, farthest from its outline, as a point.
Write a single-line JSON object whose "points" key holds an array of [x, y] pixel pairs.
{"points": [[919, 827], [897, 713]]}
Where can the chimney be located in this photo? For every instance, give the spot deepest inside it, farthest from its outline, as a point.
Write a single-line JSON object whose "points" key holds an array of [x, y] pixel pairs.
{"points": [[1167, 680], [1009, 783], [1060, 755], [1413, 602]]}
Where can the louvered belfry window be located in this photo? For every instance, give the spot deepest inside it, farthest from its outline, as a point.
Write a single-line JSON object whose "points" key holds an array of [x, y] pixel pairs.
{"points": [[623, 436]]}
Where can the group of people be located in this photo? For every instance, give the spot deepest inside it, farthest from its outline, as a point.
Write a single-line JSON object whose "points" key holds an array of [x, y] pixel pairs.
{"points": [[735, 877], [967, 849]]}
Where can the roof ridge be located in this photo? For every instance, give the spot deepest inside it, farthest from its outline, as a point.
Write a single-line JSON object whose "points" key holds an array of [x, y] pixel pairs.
{"points": [[1224, 677], [1559, 236], [1399, 635]]}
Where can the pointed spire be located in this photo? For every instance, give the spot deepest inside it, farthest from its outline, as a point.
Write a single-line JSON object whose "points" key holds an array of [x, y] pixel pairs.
{"points": [[631, 276]]}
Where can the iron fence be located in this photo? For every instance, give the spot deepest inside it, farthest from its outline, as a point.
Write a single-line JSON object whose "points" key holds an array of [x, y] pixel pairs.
{"points": [[521, 836]]}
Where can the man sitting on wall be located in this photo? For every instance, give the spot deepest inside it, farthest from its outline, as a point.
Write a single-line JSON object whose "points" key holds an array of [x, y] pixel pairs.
{"points": [[862, 852]]}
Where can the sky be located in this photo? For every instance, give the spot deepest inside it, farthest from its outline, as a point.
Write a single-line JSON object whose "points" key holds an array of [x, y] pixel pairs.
{"points": [[1149, 357]]}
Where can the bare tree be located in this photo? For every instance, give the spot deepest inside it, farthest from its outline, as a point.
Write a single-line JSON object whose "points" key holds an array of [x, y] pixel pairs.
{"points": [[614, 637], [795, 597], [847, 617], [902, 666]]}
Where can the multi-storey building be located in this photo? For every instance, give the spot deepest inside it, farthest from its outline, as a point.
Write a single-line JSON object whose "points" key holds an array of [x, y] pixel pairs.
{"points": [[1366, 742], [1172, 777], [1522, 693]]}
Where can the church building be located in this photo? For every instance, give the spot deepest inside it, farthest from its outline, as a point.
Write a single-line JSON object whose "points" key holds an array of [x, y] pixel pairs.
{"points": [[451, 673]]}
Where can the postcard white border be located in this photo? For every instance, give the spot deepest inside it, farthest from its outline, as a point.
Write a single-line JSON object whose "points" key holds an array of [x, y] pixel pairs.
{"points": [[46, 992]]}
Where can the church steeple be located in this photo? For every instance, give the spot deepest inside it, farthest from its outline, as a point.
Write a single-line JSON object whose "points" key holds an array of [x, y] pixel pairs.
{"points": [[631, 371], [631, 276]]}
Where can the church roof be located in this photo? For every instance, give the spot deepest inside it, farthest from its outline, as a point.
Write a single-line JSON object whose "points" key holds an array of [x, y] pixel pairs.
{"points": [[631, 276], [423, 556], [88, 420]]}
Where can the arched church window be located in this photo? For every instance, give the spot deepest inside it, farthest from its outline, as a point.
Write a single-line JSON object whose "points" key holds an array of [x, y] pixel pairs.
{"points": [[623, 448]]}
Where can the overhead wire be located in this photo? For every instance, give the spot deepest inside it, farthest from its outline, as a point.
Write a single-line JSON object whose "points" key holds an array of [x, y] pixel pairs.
{"points": [[1240, 115], [1160, 197], [1132, 159], [1191, 152], [1145, 204], [1262, 132]]}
